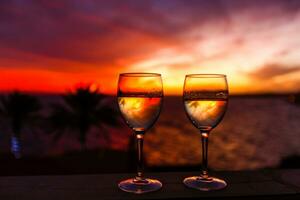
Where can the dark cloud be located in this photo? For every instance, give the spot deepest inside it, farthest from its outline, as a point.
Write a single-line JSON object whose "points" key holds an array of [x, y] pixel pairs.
{"points": [[92, 31], [272, 70], [104, 31]]}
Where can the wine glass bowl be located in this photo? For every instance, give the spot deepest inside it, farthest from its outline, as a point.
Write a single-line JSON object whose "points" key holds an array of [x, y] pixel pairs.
{"points": [[140, 97], [140, 112], [205, 101]]}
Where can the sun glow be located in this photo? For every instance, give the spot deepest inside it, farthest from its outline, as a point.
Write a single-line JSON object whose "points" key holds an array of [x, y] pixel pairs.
{"points": [[243, 41]]}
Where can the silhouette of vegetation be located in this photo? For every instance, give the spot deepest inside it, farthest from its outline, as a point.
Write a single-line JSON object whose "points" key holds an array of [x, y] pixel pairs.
{"points": [[291, 161], [294, 98], [19, 110], [82, 110]]}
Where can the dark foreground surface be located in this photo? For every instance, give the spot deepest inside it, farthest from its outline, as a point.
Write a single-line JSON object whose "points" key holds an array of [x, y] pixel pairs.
{"points": [[269, 184]]}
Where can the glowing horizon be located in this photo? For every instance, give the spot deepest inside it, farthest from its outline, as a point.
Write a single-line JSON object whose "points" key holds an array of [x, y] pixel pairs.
{"points": [[51, 46]]}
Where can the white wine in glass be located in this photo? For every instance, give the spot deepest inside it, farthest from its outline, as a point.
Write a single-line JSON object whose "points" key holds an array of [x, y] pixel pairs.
{"points": [[140, 112], [205, 100], [140, 98]]}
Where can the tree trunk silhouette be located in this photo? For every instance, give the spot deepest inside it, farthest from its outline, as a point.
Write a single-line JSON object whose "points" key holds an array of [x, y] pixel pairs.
{"points": [[82, 140]]}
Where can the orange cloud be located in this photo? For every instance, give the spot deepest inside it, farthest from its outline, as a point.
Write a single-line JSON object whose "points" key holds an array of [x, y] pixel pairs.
{"points": [[50, 46]]}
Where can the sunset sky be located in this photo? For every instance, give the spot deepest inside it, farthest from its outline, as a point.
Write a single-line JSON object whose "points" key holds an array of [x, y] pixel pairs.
{"points": [[50, 46]]}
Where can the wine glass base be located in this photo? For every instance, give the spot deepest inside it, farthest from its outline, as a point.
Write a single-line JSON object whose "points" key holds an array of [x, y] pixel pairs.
{"points": [[139, 187], [204, 184]]}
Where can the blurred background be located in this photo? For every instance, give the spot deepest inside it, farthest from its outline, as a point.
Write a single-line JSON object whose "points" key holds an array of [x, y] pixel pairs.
{"points": [[59, 67]]}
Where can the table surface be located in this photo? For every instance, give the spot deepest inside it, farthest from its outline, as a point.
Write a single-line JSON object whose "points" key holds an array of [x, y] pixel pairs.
{"points": [[266, 184]]}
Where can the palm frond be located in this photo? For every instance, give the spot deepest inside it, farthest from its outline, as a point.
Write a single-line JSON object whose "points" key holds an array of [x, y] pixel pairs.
{"points": [[61, 117], [1, 107], [19, 108], [57, 135], [108, 115], [82, 110], [105, 134]]}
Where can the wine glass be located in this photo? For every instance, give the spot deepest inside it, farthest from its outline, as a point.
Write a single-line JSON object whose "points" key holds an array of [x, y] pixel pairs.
{"points": [[205, 101], [140, 97]]}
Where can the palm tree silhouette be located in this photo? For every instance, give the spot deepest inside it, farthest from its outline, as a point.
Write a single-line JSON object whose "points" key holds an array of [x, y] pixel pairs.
{"points": [[20, 110], [83, 109]]}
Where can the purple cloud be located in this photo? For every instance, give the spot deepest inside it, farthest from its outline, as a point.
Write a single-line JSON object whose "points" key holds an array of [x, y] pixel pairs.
{"points": [[272, 70], [105, 31]]}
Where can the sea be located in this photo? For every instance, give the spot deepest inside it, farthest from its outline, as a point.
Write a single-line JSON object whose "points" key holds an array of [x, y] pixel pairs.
{"points": [[256, 132]]}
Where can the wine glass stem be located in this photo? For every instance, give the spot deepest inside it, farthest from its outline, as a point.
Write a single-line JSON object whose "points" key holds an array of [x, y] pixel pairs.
{"points": [[140, 162], [204, 138]]}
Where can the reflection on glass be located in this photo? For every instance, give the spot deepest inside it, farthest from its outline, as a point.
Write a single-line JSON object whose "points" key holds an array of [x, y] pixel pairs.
{"points": [[140, 99], [205, 101], [140, 112]]}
